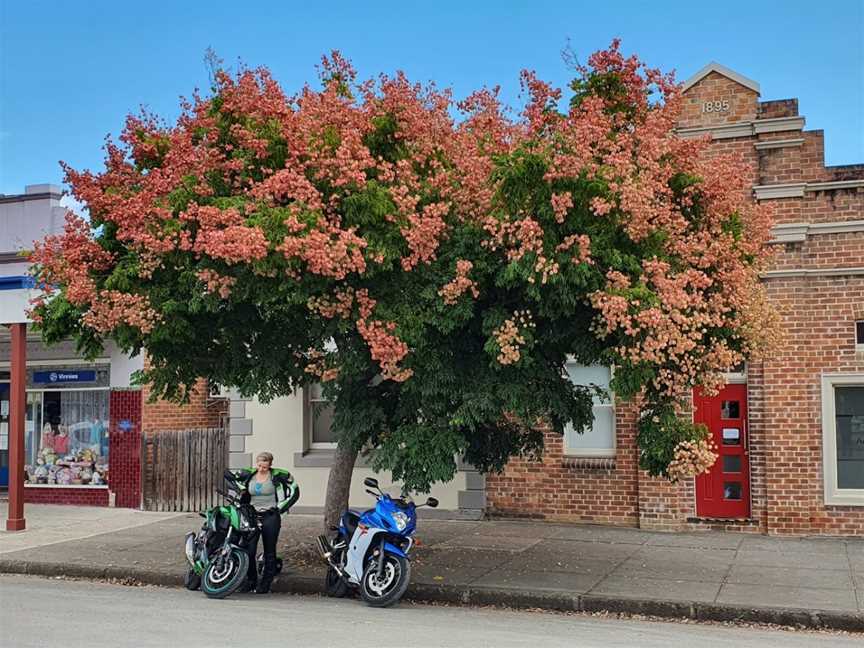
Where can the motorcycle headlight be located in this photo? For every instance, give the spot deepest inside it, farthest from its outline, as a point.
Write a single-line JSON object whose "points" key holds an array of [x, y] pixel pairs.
{"points": [[400, 519], [190, 548]]}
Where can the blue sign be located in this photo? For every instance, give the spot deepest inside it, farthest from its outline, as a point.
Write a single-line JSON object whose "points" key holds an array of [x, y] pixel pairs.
{"points": [[61, 376]]}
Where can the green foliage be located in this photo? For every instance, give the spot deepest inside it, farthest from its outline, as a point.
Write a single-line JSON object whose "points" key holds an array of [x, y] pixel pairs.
{"points": [[660, 431]]}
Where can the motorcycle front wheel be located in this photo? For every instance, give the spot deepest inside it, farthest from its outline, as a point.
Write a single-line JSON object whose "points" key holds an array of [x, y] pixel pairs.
{"points": [[224, 577], [387, 589]]}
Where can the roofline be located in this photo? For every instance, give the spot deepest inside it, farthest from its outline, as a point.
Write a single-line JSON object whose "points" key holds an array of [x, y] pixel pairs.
{"points": [[47, 195], [714, 66]]}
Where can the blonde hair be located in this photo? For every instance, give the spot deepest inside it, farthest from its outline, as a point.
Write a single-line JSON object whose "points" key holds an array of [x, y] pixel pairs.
{"points": [[264, 456]]}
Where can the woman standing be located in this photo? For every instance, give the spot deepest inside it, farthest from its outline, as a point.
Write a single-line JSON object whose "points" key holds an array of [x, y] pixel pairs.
{"points": [[272, 491]]}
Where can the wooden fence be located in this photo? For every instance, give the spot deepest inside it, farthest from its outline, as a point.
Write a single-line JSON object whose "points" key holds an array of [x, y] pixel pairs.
{"points": [[183, 469]]}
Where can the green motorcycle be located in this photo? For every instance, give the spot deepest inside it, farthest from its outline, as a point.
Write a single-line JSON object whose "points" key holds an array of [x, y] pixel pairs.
{"points": [[218, 554]]}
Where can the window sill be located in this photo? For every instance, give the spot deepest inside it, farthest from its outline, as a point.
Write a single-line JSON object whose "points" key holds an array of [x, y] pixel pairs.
{"points": [[589, 463], [322, 458], [94, 486], [839, 499]]}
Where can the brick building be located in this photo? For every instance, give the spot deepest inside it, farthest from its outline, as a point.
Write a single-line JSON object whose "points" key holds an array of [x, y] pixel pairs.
{"points": [[791, 428]]}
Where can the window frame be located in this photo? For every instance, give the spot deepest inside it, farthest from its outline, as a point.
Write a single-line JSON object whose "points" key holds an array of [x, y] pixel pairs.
{"points": [[595, 453], [309, 439], [835, 496], [859, 338]]}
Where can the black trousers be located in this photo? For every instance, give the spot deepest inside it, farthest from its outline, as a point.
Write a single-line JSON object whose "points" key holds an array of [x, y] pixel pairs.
{"points": [[271, 523]]}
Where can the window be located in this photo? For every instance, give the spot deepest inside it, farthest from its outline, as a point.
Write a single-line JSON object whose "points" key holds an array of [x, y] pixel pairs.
{"points": [[843, 438], [859, 335], [66, 437], [318, 418], [599, 441]]}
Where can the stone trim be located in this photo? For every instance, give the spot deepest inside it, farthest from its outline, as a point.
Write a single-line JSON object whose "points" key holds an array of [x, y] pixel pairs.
{"points": [[775, 144], [798, 232], [837, 184], [714, 66], [726, 131], [744, 128], [814, 272], [26, 197], [778, 125], [589, 463], [789, 233], [772, 192]]}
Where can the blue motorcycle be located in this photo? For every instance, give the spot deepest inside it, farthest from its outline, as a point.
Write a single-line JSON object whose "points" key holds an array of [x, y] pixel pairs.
{"points": [[370, 550]]}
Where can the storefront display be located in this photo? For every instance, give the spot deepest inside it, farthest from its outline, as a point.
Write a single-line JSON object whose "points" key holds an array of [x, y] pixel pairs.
{"points": [[66, 427]]}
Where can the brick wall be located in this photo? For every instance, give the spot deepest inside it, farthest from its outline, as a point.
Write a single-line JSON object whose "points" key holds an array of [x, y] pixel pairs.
{"points": [[66, 495], [558, 487], [784, 391], [199, 412], [125, 449]]}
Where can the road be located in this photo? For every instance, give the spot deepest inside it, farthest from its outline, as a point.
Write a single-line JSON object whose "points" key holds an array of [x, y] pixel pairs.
{"points": [[37, 612]]}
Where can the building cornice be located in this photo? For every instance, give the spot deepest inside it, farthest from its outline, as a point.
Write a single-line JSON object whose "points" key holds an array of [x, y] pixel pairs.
{"points": [[837, 184], [25, 197], [813, 272], [775, 144], [778, 125], [774, 191], [798, 232], [797, 189], [745, 128]]}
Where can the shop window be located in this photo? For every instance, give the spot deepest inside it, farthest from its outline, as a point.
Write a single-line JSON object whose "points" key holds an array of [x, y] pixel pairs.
{"points": [[66, 437], [599, 440], [843, 438], [318, 418]]}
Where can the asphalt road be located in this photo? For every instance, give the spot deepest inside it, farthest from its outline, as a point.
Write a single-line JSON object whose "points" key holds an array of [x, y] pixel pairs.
{"points": [[37, 612]]}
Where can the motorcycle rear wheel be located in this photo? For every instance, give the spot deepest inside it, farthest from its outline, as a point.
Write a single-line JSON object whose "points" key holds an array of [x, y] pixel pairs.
{"points": [[334, 585], [223, 578], [387, 590]]}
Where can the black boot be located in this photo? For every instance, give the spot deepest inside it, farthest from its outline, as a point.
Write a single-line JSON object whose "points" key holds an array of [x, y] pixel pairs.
{"points": [[267, 575], [249, 585]]}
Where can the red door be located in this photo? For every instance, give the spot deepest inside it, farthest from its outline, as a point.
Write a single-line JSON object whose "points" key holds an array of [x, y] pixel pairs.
{"points": [[724, 491]]}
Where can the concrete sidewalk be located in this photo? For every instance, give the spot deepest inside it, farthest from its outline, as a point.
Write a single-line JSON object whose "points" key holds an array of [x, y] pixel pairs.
{"points": [[813, 582]]}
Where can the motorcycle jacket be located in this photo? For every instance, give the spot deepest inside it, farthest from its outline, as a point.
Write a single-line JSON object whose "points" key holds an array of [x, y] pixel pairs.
{"points": [[286, 490]]}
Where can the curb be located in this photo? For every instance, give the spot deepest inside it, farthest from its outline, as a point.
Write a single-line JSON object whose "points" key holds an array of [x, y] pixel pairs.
{"points": [[485, 596]]}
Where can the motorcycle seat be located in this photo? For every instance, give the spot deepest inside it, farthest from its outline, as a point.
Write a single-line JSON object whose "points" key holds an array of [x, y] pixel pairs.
{"points": [[349, 521]]}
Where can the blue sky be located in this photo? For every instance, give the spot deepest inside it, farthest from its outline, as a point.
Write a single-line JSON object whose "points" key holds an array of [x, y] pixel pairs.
{"points": [[71, 71]]}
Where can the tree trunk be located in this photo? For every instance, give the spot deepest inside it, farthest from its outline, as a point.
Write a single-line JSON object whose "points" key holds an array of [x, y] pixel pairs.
{"points": [[339, 484]]}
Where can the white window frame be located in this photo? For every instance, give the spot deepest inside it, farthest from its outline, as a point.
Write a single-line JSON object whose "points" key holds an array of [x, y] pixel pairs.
{"points": [[308, 404], [833, 495], [596, 452]]}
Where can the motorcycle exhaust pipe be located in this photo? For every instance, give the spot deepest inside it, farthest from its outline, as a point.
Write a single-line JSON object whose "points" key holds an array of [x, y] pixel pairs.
{"points": [[327, 553]]}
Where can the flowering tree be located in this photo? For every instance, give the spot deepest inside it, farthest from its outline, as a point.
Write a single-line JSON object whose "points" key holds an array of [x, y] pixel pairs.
{"points": [[433, 273]]}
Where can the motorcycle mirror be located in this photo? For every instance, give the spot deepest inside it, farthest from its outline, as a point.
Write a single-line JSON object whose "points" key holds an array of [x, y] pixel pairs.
{"points": [[432, 502], [371, 482]]}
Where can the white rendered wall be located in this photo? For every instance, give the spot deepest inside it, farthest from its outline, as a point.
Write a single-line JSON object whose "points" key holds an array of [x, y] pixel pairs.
{"points": [[278, 428], [122, 366]]}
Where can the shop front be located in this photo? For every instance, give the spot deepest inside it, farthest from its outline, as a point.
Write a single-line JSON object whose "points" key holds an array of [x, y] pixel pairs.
{"points": [[66, 440]]}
